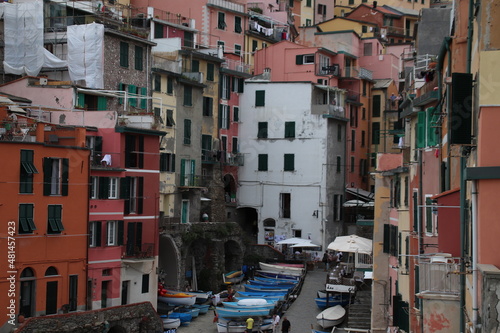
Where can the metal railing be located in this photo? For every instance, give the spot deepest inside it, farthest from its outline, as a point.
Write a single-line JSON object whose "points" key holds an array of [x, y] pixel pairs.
{"points": [[139, 251], [438, 276]]}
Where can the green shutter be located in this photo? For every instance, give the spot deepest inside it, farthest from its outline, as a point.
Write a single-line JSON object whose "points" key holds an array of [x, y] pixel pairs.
{"points": [[421, 125], [428, 215], [183, 172], [299, 59], [376, 106], [260, 98], [289, 162], [290, 129], [132, 89], [262, 160], [121, 87], [103, 186], [170, 85], [193, 169], [101, 103], [220, 116], [81, 100], [236, 114], [47, 172], [144, 101], [387, 238], [65, 177], [262, 130], [417, 286], [138, 58], [187, 131], [376, 133], [195, 66], [432, 123], [188, 95], [210, 72], [98, 231]]}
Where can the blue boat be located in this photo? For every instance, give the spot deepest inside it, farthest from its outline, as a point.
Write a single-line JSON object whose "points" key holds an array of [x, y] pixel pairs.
{"points": [[282, 289], [268, 279], [250, 303], [332, 301], [277, 275], [203, 307], [263, 294], [184, 317], [269, 298], [241, 312], [272, 283], [193, 311]]}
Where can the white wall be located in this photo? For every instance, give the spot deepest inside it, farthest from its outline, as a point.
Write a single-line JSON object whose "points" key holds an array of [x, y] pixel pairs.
{"points": [[260, 189]]}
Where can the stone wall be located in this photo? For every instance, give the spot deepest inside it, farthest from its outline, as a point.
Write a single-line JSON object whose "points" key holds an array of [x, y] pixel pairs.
{"points": [[132, 318]]}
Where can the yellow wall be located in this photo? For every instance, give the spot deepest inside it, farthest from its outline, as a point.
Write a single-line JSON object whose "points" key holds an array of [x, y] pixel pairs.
{"points": [[488, 82], [340, 24]]}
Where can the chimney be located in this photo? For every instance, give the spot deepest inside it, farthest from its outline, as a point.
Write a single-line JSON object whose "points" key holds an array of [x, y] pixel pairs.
{"points": [[374, 4]]}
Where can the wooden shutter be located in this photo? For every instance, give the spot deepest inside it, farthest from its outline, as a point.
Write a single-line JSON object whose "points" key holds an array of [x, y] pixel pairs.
{"points": [[98, 233], [102, 103], [461, 114], [387, 238], [183, 172], [47, 172], [260, 98], [65, 176], [140, 194], [103, 192], [132, 89], [120, 233], [125, 193], [144, 101], [299, 59], [421, 125]]}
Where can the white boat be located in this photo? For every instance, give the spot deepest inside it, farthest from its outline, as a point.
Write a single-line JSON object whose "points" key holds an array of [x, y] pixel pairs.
{"points": [[250, 303], [177, 299], [280, 269], [332, 316], [169, 323]]}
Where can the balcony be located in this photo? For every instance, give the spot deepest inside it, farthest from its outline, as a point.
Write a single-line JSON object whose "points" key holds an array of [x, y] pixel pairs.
{"points": [[100, 160], [21, 131], [235, 159], [439, 275], [266, 27], [138, 252], [237, 66]]}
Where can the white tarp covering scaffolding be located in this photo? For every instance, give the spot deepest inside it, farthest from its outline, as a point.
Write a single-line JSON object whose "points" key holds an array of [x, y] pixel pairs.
{"points": [[86, 54], [24, 51]]}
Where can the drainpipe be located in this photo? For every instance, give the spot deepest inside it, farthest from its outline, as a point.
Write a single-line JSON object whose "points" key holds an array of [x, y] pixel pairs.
{"points": [[463, 189], [474, 257]]}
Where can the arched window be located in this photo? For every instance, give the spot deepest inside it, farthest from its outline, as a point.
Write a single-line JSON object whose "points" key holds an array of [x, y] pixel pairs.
{"points": [[51, 271], [27, 273], [270, 223]]}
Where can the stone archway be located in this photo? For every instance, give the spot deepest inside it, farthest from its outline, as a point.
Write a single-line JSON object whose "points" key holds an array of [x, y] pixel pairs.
{"points": [[168, 262], [117, 329]]}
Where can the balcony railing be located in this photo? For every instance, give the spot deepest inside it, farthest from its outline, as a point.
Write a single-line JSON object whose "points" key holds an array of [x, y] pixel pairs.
{"points": [[237, 66], [12, 130], [104, 160], [139, 251], [439, 275]]}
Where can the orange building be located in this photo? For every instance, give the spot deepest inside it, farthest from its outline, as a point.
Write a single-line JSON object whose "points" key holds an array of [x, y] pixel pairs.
{"points": [[44, 223]]}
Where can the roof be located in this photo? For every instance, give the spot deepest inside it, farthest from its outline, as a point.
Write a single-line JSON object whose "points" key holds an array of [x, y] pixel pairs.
{"points": [[403, 11], [382, 83]]}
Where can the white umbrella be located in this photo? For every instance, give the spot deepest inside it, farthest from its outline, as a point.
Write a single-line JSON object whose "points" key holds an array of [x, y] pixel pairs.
{"points": [[352, 243], [293, 240], [308, 243], [353, 203]]}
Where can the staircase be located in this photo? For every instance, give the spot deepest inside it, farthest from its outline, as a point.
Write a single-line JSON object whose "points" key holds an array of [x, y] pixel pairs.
{"points": [[359, 312]]}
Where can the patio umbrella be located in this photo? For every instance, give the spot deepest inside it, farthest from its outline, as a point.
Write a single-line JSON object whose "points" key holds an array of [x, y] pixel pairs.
{"points": [[293, 240], [353, 203], [352, 243], [306, 243]]}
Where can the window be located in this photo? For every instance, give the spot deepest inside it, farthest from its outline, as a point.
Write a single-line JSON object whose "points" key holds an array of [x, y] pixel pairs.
{"points": [[206, 148], [339, 133], [55, 225], [225, 86], [339, 166], [195, 66], [262, 130], [158, 30], [353, 162], [236, 114], [308, 3], [95, 229], [290, 3], [187, 172], [353, 140], [134, 238], [237, 49], [376, 106], [351, 2], [28, 169], [132, 90], [237, 85], [308, 22], [124, 54], [145, 283], [221, 45], [73, 292], [337, 207], [262, 160], [170, 118], [208, 104], [234, 145], [134, 151], [367, 49], [170, 85], [363, 114], [132, 190], [157, 83], [260, 98], [187, 131], [237, 24], [353, 117], [364, 29], [112, 233], [376, 133], [255, 45], [210, 72], [138, 58], [390, 239], [167, 162], [188, 39], [289, 162], [144, 100], [321, 9], [224, 116], [285, 205], [55, 176], [94, 183], [221, 22], [113, 188], [363, 135], [188, 96], [290, 129], [26, 222], [304, 59]]}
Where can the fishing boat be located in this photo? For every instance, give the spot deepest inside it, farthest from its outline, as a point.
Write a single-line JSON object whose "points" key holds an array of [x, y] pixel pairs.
{"points": [[256, 288], [331, 301], [262, 294], [250, 303], [177, 299], [331, 316], [295, 271], [203, 307], [272, 283], [169, 323], [233, 277], [223, 312], [185, 318], [225, 326], [272, 279], [193, 311], [270, 274]]}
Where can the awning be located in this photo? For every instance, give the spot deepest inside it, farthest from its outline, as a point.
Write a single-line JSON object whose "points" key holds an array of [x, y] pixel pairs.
{"points": [[362, 194]]}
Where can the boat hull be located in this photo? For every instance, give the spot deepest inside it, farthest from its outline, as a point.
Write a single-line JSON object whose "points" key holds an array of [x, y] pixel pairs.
{"points": [[332, 301], [331, 317], [239, 312], [240, 327], [169, 323], [175, 300]]}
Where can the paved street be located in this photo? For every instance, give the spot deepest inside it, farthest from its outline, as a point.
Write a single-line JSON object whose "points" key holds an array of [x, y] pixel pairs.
{"points": [[301, 313]]}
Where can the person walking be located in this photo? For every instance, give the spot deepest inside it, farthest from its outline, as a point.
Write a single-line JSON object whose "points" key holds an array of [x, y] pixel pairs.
{"points": [[285, 325], [276, 322], [325, 260]]}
